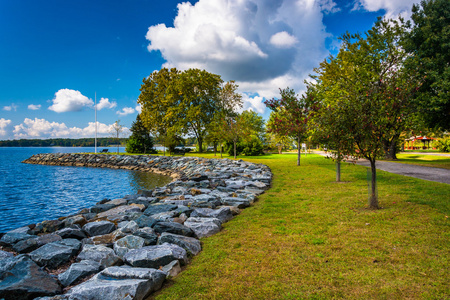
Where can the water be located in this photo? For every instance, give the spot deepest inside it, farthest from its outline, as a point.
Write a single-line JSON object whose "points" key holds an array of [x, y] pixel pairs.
{"points": [[33, 193]]}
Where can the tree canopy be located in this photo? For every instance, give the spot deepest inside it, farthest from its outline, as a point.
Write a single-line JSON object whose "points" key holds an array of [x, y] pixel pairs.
{"points": [[140, 140], [177, 103], [428, 44]]}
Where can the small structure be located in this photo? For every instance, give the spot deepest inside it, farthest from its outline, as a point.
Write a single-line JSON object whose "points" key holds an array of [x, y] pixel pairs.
{"points": [[424, 139]]}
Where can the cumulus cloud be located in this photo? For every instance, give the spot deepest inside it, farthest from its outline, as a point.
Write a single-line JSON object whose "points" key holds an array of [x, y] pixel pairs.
{"points": [[3, 125], [104, 103], [254, 103], [69, 100], [138, 108], [263, 45], [34, 107], [392, 8], [283, 40], [41, 128], [125, 111], [11, 107]]}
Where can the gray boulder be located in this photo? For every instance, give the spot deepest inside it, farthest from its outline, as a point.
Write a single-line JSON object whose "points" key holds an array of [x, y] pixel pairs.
{"points": [[28, 245], [119, 283], [105, 256], [159, 208], [71, 233], [79, 271], [123, 246], [148, 234], [11, 237], [5, 254], [190, 244], [203, 227], [24, 279], [173, 227], [55, 254], [223, 214], [145, 221], [155, 256], [99, 228], [234, 201]]}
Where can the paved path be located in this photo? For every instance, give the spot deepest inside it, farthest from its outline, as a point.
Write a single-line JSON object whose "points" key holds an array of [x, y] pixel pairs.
{"points": [[421, 172]]}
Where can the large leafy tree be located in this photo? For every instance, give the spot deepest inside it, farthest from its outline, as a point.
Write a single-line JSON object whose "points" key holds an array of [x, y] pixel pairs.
{"points": [[429, 47], [140, 140], [159, 103], [367, 93], [291, 115], [178, 103]]}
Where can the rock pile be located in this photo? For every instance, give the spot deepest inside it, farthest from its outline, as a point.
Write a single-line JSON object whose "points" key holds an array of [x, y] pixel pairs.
{"points": [[125, 248]]}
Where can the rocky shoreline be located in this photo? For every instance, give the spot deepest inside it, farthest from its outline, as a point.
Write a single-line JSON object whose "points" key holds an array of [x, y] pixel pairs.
{"points": [[126, 248]]}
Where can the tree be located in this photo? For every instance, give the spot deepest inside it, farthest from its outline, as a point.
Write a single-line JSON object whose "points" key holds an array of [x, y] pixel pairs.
{"points": [[429, 47], [116, 130], [367, 93], [140, 140], [159, 103], [177, 103], [291, 116]]}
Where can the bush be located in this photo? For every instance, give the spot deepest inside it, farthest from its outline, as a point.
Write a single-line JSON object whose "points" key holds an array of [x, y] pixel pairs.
{"points": [[253, 147], [139, 145], [443, 145]]}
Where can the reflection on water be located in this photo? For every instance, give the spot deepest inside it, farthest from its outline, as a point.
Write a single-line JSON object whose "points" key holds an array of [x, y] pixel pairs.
{"points": [[33, 193]]}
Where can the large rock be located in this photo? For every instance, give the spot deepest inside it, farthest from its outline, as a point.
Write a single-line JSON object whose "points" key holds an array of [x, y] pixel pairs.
{"points": [[203, 227], [119, 283], [29, 245], [190, 244], [78, 271], [148, 234], [224, 214], [71, 233], [234, 201], [99, 228], [12, 237], [173, 227], [159, 208], [155, 256], [125, 244], [24, 279], [145, 221], [4, 254], [103, 255], [54, 254]]}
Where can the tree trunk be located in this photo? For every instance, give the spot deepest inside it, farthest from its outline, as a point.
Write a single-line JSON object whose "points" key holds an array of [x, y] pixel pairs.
{"points": [[221, 150], [373, 198], [298, 151], [338, 170], [390, 148], [200, 145], [234, 142], [215, 148]]}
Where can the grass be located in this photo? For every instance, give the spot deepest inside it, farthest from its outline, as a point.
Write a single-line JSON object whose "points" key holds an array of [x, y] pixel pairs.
{"points": [[309, 237], [426, 160]]}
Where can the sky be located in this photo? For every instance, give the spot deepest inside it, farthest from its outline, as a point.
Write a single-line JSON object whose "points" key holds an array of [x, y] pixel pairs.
{"points": [[58, 58]]}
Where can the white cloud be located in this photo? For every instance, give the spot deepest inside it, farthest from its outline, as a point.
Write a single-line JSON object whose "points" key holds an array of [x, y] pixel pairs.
{"points": [[254, 103], [328, 6], [104, 103], [283, 40], [69, 100], [41, 128], [11, 107], [3, 125], [125, 111], [392, 8], [263, 45], [138, 108], [34, 107]]}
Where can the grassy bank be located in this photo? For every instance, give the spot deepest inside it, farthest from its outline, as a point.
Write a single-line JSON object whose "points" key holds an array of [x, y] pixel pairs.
{"points": [[309, 237]]}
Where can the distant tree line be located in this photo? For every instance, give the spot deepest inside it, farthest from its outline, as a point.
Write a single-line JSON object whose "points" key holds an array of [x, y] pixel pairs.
{"points": [[84, 142]]}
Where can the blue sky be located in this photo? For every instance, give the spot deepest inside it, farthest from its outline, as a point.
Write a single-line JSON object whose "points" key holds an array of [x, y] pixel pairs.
{"points": [[56, 55]]}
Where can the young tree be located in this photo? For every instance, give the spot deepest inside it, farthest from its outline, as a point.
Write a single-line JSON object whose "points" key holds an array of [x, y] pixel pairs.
{"points": [[428, 44], [116, 130], [140, 140], [291, 115], [366, 92]]}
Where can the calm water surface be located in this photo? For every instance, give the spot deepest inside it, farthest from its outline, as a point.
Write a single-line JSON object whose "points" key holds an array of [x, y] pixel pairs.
{"points": [[33, 193]]}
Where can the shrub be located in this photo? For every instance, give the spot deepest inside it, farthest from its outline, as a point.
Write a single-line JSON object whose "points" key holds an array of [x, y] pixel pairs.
{"points": [[443, 145], [253, 147]]}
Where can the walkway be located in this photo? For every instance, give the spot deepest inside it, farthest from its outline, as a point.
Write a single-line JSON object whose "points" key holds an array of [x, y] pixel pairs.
{"points": [[421, 172]]}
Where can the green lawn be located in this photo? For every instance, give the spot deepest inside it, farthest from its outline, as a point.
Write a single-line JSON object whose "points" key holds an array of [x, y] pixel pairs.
{"points": [[309, 237], [434, 161]]}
